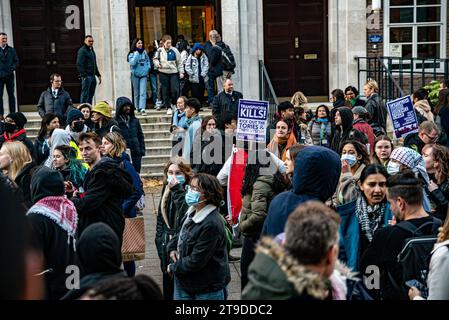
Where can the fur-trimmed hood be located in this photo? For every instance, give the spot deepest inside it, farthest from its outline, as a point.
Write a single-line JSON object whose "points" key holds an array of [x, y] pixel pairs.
{"points": [[277, 275]]}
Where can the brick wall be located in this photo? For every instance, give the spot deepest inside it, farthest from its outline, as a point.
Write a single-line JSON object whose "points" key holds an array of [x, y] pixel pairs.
{"points": [[378, 50]]}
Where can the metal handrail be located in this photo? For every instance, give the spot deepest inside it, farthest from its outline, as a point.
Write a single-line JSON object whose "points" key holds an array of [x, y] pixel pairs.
{"points": [[266, 91]]}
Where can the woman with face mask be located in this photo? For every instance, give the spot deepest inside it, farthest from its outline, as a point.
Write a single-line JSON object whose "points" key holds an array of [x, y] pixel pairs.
{"points": [[282, 140], [404, 158], [354, 158], [171, 211], [199, 253], [361, 218]]}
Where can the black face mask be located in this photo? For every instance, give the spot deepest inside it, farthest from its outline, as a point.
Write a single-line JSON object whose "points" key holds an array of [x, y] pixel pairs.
{"points": [[78, 126], [10, 128]]}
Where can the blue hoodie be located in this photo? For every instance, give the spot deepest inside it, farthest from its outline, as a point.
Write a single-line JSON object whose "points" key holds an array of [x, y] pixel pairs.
{"points": [[316, 175]]}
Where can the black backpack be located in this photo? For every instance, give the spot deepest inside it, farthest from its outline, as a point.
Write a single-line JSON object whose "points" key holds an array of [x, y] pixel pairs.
{"points": [[414, 257], [227, 58]]}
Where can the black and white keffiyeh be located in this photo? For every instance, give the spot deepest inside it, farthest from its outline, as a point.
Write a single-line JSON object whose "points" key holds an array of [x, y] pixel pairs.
{"points": [[370, 217]]}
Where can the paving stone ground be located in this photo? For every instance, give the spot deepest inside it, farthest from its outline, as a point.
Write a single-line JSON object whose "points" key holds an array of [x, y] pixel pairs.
{"points": [[151, 265]]}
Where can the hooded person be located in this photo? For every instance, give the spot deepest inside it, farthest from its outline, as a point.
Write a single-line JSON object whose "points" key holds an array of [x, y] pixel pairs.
{"points": [[59, 137], [102, 118], [14, 131], [76, 124], [131, 130], [343, 129], [54, 222], [99, 256], [316, 175]]}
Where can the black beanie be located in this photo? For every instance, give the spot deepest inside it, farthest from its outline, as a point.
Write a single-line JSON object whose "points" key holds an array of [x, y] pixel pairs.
{"points": [[19, 118], [46, 183], [74, 114]]}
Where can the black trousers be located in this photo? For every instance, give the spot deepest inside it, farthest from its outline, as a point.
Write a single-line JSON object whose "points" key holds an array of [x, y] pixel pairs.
{"points": [[198, 91], [247, 257], [170, 88], [9, 83], [137, 163]]}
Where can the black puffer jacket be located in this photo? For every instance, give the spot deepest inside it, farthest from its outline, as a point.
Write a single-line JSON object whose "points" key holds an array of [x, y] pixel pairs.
{"points": [[111, 126], [378, 112], [224, 104], [23, 180], [106, 186], [202, 264], [130, 128]]}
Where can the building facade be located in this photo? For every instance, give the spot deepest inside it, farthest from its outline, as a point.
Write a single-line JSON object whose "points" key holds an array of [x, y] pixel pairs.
{"points": [[307, 45]]}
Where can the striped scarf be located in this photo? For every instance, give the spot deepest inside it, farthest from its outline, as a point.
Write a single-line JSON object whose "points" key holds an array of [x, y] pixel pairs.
{"points": [[370, 217]]}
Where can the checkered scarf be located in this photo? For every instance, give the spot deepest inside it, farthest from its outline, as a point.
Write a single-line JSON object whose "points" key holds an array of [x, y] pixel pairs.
{"points": [[370, 217], [412, 160]]}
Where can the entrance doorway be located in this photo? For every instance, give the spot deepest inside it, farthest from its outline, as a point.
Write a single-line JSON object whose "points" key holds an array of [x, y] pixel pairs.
{"points": [[47, 36], [192, 19], [295, 40]]}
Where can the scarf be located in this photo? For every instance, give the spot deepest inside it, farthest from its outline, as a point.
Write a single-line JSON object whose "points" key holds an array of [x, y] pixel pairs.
{"points": [[61, 211], [323, 129], [370, 217], [412, 160], [189, 121], [14, 135], [140, 50], [286, 142]]}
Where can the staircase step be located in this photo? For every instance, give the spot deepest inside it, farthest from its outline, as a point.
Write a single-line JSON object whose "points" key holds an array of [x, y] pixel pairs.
{"points": [[156, 160], [161, 142], [152, 169], [156, 126], [160, 134], [158, 150]]}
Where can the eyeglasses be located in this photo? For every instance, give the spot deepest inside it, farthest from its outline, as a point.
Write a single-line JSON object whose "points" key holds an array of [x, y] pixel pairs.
{"points": [[433, 139]]}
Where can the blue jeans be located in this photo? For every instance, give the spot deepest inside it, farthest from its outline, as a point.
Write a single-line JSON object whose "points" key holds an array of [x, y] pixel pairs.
{"points": [[140, 92], [210, 83], [180, 294], [88, 85], [154, 87], [9, 83]]}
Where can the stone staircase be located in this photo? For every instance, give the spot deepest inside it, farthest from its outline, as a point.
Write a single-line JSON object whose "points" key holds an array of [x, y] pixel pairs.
{"points": [[155, 126]]}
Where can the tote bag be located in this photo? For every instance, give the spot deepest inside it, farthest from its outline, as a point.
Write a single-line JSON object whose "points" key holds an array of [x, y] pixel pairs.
{"points": [[133, 246]]}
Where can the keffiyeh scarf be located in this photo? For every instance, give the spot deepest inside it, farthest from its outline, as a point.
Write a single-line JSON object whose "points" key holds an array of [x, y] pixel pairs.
{"points": [[370, 217]]}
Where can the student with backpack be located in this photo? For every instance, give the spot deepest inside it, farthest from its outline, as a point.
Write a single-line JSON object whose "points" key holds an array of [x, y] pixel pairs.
{"points": [[401, 251]]}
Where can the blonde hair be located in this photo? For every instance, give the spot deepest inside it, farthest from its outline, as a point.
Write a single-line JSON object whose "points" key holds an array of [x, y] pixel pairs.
{"points": [[372, 84], [299, 99], [118, 144], [166, 37], [20, 156], [443, 235]]}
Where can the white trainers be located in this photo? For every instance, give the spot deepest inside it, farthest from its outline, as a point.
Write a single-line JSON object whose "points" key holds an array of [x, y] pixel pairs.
{"points": [[169, 112]]}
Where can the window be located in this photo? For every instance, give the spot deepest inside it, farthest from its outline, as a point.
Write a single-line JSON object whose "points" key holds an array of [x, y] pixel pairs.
{"points": [[415, 29]]}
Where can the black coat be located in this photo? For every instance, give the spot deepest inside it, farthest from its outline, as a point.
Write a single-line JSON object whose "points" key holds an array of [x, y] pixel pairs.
{"points": [[42, 150], [106, 186], [86, 62], [378, 112], [213, 53], [175, 209], [24, 139], [9, 61], [202, 264], [59, 106], [111, 126], [223, 104], [23, 180], [130, 128]]}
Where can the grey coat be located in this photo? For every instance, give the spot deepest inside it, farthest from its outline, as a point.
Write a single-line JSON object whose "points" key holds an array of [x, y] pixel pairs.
{"points": [[191, 68], [49, 104]]}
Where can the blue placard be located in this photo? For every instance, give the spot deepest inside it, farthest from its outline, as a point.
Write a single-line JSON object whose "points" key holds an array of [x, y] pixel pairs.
{"points": [[403, 116], [375, 38], [252, 120]]}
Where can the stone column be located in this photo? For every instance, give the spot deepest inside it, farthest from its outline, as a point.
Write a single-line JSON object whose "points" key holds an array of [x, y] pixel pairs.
{"points": [[107, 21], [347, 39], [242, 30], [6, 27]]}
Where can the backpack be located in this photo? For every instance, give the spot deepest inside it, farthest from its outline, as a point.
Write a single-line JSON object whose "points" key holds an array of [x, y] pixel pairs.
{"points": [[414, 257], [227, 58]]}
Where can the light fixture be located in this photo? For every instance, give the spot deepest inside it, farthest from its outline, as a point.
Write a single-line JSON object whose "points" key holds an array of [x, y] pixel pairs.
{"points": [[376, 5]]}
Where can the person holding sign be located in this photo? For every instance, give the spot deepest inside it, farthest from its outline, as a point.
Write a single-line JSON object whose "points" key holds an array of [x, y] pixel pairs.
{"points": [[282, 140]]}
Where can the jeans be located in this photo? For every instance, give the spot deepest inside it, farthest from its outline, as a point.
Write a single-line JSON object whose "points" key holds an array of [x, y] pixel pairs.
{"points": [[180, 294], [9, 83], [210, 86], [154, 87], [140, 92], [198, 91], [88, 85], [170, 88]]}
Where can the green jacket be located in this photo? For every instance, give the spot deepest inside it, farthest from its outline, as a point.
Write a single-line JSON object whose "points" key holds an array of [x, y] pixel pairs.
{"points": [[171, 211], [255, 206]]}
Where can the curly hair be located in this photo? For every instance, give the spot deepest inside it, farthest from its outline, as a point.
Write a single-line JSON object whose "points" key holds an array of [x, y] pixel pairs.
{"points": [[360, 148], [441, 155]]}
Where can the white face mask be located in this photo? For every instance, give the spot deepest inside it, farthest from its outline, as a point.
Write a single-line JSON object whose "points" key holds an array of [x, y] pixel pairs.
{"points": [[350, 159], [393, 168]]}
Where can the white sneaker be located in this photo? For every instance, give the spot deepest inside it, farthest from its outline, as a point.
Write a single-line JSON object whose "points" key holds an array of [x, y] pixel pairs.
{"points": [[169, 112]]}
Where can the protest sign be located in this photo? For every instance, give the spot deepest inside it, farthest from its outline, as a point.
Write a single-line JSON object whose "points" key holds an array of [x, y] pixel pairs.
{"points": [[403, 117], [252, 120]]}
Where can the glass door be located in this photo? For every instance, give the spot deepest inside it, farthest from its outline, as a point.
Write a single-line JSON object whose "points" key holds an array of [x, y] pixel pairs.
{"points": [[194, 22], [151, 23]]}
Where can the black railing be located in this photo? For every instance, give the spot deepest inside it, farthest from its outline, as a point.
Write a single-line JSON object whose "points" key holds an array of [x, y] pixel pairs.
{"points": [[401, 76], [266, 91]]}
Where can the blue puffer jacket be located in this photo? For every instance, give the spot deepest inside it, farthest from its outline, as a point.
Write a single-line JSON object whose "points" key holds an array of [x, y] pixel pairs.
{"points": [[349, 233], [316, 175], [129, 204]]}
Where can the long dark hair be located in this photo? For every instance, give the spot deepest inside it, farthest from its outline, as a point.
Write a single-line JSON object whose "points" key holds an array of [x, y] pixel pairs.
{"points": [[373, 169], [360, 148], [443, 101], [49, 117], [325, 108], [134, 46]]}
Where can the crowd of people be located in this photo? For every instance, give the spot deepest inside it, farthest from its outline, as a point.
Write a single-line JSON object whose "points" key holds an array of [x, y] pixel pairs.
{"points": [[326, 199]]}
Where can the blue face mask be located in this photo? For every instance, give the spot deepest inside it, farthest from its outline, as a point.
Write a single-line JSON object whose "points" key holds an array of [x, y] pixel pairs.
{"points": [[193, 197], [180, 179], [350, 159]]}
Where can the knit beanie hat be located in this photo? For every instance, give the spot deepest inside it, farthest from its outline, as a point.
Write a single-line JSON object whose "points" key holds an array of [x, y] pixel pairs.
{"points": [[197, 46], [73, 115], [19, 118], [103, 108]]}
